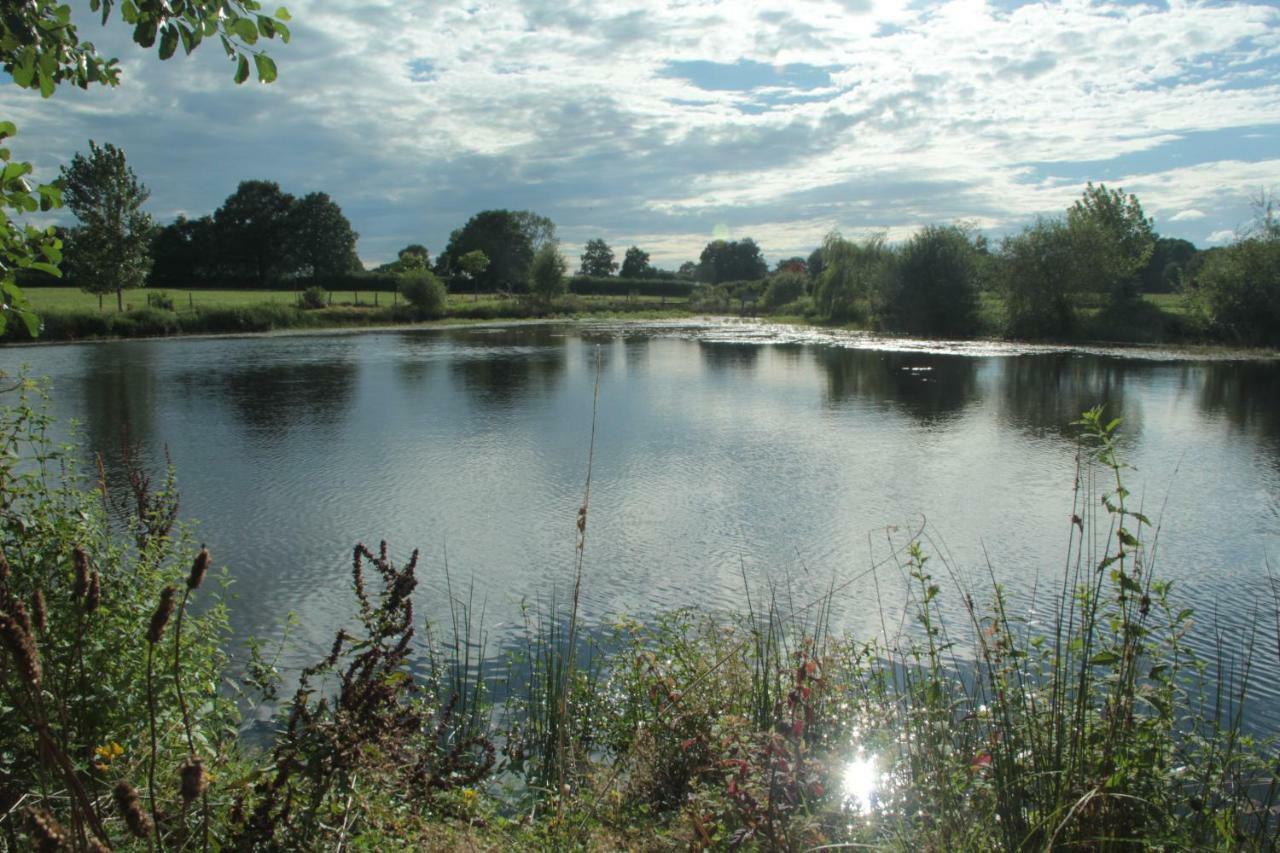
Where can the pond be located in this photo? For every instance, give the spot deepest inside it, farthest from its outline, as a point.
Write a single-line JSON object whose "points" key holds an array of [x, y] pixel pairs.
{"points": [[727, 457]]}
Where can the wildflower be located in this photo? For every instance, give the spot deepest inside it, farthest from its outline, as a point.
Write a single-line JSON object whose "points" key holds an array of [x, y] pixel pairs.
{"points": [[107, 753]]}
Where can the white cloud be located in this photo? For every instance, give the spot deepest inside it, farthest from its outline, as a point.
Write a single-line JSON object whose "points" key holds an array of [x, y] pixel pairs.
{"points": [[1187, 215], [1218, 238]]}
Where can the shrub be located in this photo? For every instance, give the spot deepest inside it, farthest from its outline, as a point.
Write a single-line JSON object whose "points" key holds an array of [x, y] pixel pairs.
{"points": [[1237, 291], [930, 286], [314, 297], [160, 300], [784, 288], [85, 647], [424, 292], [546, 275]]}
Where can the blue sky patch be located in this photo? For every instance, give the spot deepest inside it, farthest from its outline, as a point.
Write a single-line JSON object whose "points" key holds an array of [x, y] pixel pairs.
{"points": [[745, 75]]}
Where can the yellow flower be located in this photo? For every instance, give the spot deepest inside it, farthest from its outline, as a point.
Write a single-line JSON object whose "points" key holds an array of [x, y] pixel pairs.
{"points": [[107, 753]]}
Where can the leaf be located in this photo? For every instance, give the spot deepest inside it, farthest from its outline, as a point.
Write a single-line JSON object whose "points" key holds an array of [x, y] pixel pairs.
{"points": [[1105, 658], [31, 321], [46, 268], [242, 70], [169, 41], [1126, 538], [282, 14], [266, 68], [245, 29]]}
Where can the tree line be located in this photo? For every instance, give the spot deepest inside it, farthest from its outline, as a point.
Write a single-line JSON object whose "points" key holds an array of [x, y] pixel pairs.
{"points": [[1094, 260]]}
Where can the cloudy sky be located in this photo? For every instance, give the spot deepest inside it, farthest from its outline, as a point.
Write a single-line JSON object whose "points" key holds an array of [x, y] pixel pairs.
{"points": [[666, 124]]}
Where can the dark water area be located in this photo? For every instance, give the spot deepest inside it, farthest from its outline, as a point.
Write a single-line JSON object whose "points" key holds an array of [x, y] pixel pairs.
{"points": [[796, 460]]}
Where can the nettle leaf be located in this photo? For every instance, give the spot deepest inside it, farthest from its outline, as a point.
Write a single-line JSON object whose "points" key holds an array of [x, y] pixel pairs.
{"points": [[1104, 658]]}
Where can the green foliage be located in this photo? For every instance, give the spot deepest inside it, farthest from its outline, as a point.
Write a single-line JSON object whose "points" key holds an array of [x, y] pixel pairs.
{"points": [[930, 285], [1237, 291], [424, 292], [320, 239], [597, 259], [618, 286], [40, 44], [546, 279], [731, 260], [635, 264], [500, 236], [253, 228], [784, 288], [1113, 240], [850, 270], [87, 594], [314, 297], [1038, 282], [412, 257], [23, 247], [109, 251]]}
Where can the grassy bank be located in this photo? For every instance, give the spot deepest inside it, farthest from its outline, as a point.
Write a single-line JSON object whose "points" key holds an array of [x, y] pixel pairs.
{"points": [[68, 314], [1094, 727]]}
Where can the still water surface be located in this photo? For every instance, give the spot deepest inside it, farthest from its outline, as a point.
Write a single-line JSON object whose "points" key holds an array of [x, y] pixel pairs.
{"points": [[721, 451]]}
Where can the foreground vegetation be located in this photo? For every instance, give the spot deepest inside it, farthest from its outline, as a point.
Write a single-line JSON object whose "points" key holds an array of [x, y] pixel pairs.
{"points": [[761, 729]]}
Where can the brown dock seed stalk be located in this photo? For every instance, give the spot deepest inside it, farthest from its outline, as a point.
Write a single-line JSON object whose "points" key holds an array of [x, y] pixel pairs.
{"points": [[160, 618], [46, 832], [130, 807], [198, 569], [39, 611], [4, 569], [22, 646], [194, 781], [81, 561], [94, 596]]}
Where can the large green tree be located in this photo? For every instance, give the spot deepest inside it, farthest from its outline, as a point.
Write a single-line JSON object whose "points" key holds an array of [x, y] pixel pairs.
{"points": [[1115, 240], [1037, 276], [597, 258], [109, 251], [253, 227], [850, 270], [732, 260], [184, 252], [321, 243], [635, 264], [500, 235], [40, 48]]}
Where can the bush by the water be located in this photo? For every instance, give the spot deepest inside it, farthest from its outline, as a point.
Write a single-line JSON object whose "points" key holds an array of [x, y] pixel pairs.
{"points": [[314, 297], [424, 292]]}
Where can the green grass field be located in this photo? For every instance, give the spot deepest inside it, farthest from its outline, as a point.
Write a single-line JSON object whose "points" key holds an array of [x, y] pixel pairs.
{"points": [[74, 299]]}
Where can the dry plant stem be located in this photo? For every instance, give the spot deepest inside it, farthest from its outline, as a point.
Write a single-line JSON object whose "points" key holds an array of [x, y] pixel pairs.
{"points": [[186, 716], [567, 680], [151, 720]]}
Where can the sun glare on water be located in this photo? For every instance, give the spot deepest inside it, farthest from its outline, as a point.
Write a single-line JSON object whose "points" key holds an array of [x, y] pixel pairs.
{"points": [[861, 779]]}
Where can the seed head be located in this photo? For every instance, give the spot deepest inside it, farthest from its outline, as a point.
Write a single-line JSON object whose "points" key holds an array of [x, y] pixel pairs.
{"points": [[4, 568], [194, 781], [17, 638], [94, 597], [161, 617], [198, 568], [38, 610], [81, 561], [131, 810], [46, 832]]}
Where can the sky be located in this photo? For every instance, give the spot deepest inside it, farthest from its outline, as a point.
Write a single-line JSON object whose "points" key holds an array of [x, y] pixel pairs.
{"points": [[669, 124]]}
